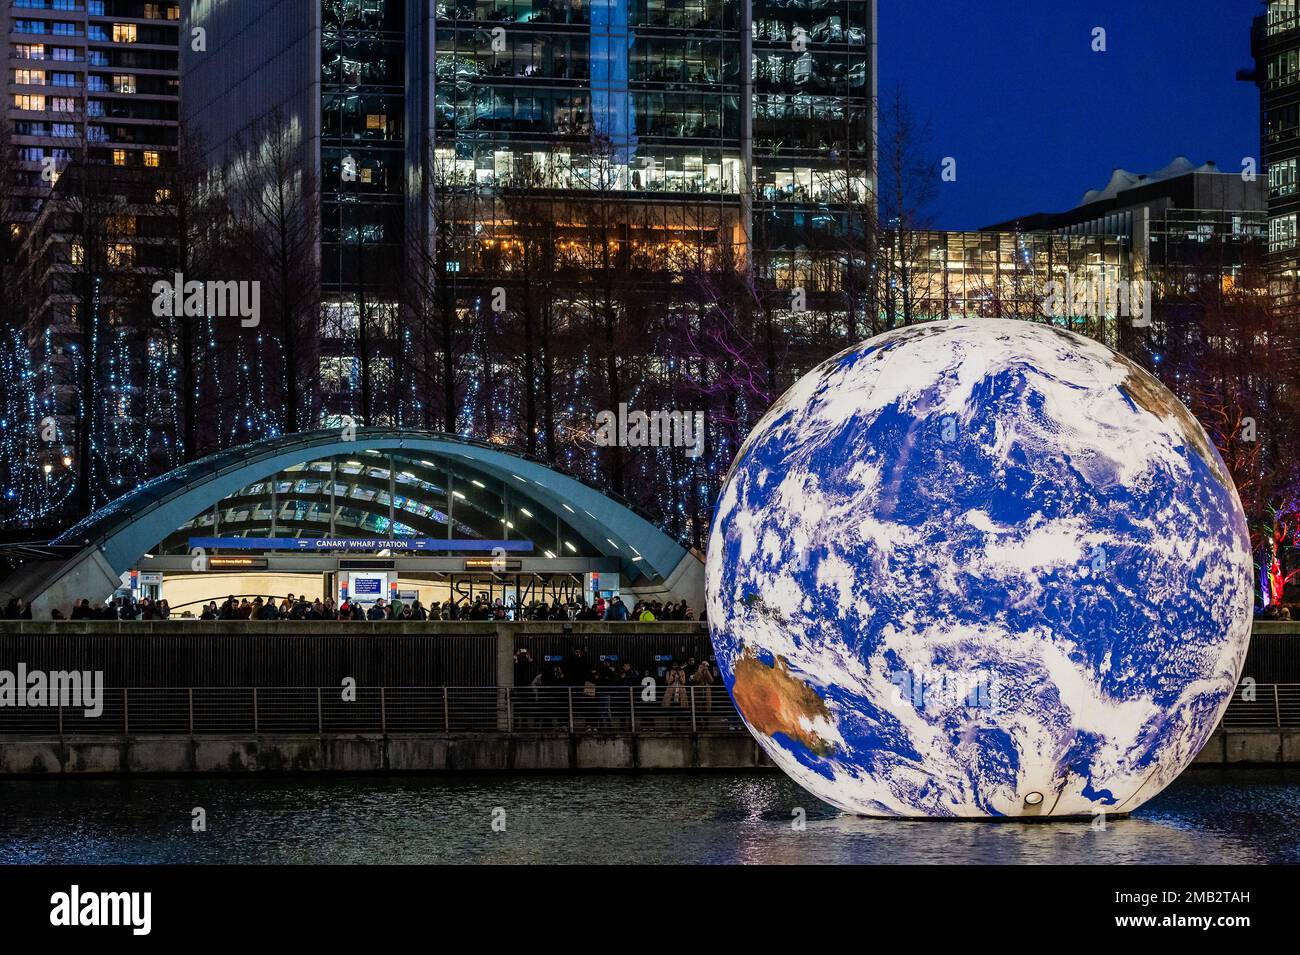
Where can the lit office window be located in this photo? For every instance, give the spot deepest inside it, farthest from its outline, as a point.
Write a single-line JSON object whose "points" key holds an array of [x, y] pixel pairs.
{"points": [[1282, 233], [151, 158], [1284, 69], [124, 33], [121, 255], [1282, 178], [1281, 15], [119, 157]]}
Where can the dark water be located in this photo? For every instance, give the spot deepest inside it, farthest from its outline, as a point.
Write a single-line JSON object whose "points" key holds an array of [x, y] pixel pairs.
{"points": [[1209, 815]]}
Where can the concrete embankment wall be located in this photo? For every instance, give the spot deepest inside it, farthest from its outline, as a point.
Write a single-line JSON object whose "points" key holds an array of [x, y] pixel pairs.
{"points": [[374, 754], [1262, 746], [144, 755]]}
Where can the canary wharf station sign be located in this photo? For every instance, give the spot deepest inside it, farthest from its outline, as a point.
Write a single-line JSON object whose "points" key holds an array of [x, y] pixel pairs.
{"points": [[366, 545]]}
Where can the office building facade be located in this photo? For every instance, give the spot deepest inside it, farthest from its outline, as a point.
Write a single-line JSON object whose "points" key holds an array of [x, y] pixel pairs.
{"points": [[445, 136], [1194, 233], [1275, 43]]}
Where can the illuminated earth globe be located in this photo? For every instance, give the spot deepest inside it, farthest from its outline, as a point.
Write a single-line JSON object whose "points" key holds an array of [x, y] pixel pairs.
{"points": [[977, 569]]}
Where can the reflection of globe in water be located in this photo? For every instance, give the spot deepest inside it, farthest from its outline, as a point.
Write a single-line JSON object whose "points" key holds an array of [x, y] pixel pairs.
{"points": [[980, 568]]}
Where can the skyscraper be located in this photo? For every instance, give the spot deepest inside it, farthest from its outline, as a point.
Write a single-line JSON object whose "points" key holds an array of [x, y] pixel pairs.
{"points": [[1275, 42]]}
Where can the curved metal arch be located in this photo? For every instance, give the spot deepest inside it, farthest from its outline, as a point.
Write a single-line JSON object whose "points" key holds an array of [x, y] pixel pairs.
{"points": [[126, 529]]}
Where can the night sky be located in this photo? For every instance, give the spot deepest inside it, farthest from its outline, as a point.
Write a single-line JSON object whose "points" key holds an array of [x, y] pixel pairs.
{"points": [[1035, 118]]}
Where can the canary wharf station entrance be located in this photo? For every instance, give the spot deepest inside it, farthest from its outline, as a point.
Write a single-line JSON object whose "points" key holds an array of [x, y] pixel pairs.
{"points": [[511, 583], [368, 515]]}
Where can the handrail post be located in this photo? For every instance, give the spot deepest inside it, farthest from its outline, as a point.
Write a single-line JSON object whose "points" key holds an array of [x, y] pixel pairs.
{"points": [[320, 715], [692, 695], [631, 707], [570, 690], [255, 727], [1277, 706], [126, 714], [446, 712], [59, 698], [190, 698], [383, 713]]}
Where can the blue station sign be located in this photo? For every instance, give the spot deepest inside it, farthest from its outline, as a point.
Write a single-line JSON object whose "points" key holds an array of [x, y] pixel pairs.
{"points": [[358, 544]]}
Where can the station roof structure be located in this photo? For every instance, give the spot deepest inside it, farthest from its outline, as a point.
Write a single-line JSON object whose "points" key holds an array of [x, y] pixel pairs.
{"points": [[375, 483]]}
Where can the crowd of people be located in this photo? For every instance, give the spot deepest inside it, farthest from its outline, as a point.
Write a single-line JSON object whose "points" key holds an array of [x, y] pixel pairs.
{"points": [[302, 607], [576, 669], [605, 692]]}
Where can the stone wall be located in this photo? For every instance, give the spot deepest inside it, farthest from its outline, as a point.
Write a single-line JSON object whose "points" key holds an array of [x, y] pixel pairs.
{"points": [[375, 754]]}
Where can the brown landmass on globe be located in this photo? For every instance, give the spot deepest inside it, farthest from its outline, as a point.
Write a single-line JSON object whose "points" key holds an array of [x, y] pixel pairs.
{"points": [[1147, 393], [773, 701]]}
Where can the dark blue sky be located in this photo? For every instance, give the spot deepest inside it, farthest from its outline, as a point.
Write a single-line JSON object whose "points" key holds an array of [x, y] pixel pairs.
{"points": [[1034, 118]]}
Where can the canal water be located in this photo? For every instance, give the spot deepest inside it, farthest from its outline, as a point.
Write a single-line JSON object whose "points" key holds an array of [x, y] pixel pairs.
{"points": [[1209, 815]]}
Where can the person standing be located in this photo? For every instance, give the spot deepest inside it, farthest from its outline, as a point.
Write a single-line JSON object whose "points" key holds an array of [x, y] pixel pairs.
{"points": [[704, 679]]}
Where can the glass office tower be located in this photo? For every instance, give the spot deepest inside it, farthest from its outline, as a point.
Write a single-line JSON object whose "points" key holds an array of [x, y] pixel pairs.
{"points": [[362, 141], [1276, 45], [566, 102], [813, 119], [444, 133], [525, 91]]}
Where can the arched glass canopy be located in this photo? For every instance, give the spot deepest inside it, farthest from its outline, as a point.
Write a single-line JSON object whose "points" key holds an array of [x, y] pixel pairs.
{"points": [[425, 492], [388, 495]]}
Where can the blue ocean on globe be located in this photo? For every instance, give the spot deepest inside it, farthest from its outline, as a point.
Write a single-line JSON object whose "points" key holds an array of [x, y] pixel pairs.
{"points": [[980, 568]]}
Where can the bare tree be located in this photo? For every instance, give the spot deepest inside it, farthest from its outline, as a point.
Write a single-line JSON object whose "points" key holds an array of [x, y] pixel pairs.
{"points": [[607, 283], [277, 214], [199, 237], [908, 186], [436, 253]]}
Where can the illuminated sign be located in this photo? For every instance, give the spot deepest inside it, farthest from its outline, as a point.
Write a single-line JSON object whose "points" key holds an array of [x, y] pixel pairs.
{"points": [[237, 563], [372, 544], [498, 564]]}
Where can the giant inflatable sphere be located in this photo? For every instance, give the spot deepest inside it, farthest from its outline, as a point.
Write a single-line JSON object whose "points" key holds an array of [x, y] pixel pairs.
{"points": [[976, 569]]}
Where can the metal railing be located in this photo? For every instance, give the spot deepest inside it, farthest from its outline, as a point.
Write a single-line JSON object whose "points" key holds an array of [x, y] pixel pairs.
{"points": [[1264, 706], [160, 711], [623, 710]]}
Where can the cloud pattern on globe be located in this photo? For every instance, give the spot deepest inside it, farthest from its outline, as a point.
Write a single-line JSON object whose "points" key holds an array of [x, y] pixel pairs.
{"points": [[968, 564]]}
